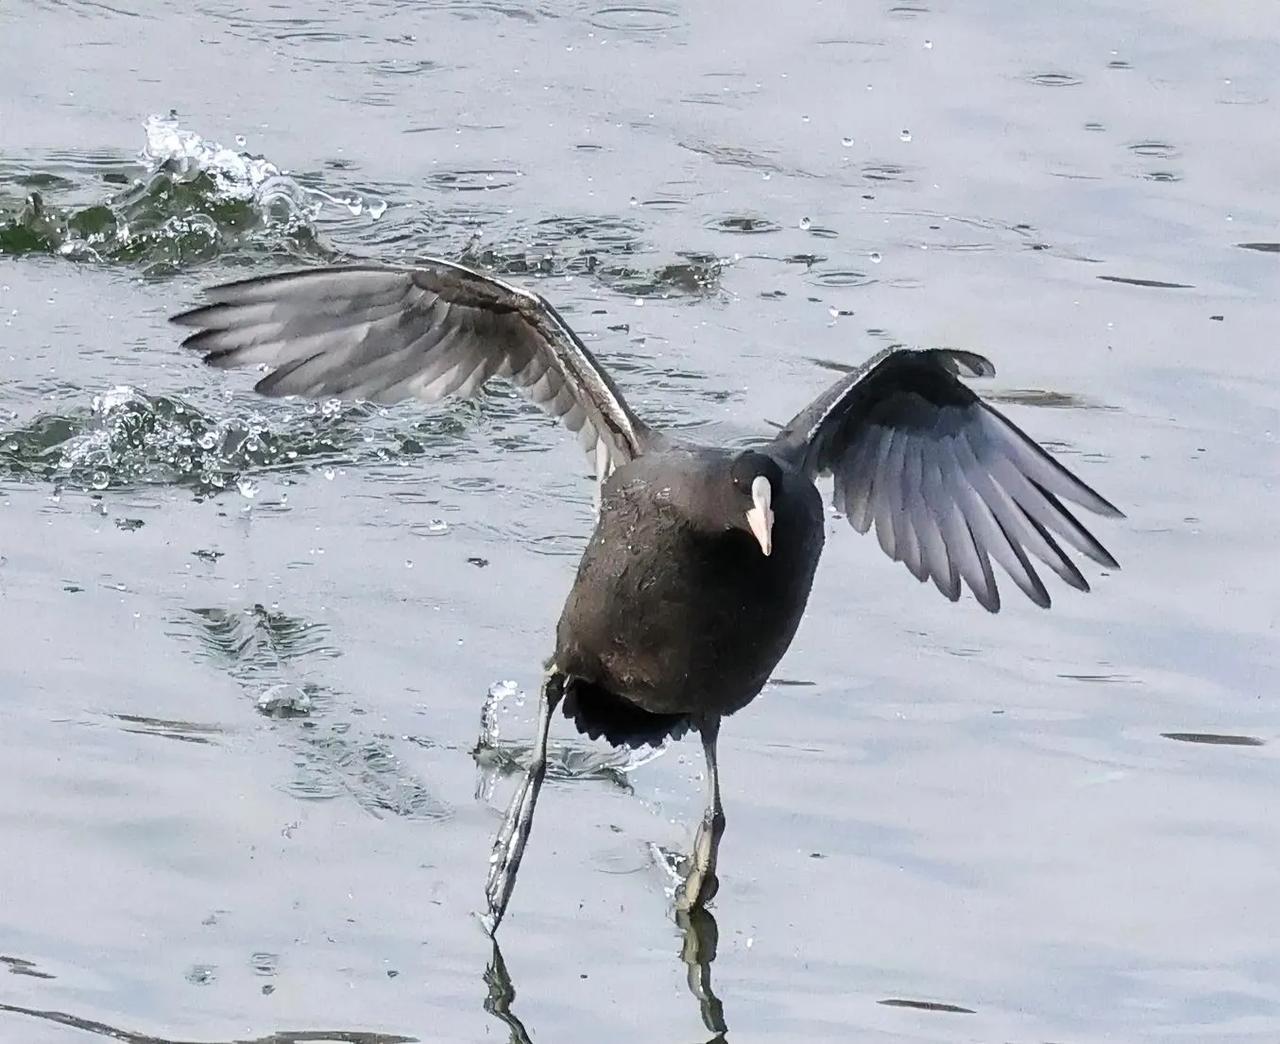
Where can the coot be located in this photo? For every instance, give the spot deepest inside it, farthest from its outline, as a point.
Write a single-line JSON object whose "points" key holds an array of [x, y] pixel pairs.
{"points": [[696, 576]]}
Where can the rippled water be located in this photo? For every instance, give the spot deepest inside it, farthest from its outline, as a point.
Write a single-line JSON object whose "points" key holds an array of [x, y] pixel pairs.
{"points": [[264, 661]]}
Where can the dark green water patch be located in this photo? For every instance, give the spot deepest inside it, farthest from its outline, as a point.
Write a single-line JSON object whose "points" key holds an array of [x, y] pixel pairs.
{"points": [[184, 200], [924, 1005], [159, 223], [112, 1032], [610, 250], [1215, 739]]}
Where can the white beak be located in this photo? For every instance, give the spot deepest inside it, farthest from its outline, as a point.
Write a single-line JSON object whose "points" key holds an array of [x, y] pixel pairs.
{"points": [[760, 517]]}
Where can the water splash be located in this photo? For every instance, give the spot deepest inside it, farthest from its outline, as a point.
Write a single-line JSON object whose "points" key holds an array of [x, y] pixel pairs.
{"points": [[185, 199], [128, 438], [173, 149], [497, 758], [495, 705]]}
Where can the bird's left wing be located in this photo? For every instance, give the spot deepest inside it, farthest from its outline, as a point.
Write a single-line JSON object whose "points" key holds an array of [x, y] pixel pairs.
{"points": [[949, 482]]}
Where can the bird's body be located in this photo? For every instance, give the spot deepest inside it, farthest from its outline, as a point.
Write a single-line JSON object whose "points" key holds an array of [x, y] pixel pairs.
{"points": [[697, 574], [676, 619]]}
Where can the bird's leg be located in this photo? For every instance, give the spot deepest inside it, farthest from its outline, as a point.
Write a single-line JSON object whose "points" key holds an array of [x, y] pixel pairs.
{"points": [[508, 846], [700, 886]]}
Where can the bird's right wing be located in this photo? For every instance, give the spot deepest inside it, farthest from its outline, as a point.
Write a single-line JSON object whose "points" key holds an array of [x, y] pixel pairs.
{"points": [[382, 334]]}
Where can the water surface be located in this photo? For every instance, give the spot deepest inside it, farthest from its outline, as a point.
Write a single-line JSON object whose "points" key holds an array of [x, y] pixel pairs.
{"points": [[245, 645]]}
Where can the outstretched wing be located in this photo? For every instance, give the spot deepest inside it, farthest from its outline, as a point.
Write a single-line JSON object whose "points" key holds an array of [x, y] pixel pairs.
{"points": [[382, 334], [949, 482]]}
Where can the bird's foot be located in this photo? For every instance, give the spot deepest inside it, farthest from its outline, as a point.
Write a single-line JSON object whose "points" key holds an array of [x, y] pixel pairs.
{"points": [[697, 890], [689, 889]]}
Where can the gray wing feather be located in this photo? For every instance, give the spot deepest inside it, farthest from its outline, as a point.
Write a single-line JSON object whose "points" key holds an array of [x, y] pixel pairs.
{"points": [[383, 334], [939, 562], [861, 474], [948, 482], [914, 507]]}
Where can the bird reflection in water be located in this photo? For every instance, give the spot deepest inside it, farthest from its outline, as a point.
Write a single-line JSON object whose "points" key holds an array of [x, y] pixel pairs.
{"points": [[701, 937], [698, 945]]}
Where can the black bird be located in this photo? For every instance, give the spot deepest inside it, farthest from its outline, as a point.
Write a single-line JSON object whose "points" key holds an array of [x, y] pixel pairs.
{"points": [[698, 571]]}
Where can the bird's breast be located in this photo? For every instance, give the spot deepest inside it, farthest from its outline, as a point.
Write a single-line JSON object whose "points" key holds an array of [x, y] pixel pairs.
{"points": [[678, 620]]}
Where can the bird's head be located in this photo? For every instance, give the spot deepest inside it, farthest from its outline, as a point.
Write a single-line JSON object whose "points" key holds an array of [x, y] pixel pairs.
{"points": [[757, 481]]}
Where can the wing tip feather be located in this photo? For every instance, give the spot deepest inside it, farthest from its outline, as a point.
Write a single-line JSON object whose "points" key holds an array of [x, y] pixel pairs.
{"points": [[988, 597], [963, 363]]}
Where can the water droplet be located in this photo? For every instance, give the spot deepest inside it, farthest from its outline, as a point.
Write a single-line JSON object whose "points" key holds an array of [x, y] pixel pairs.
{"points": [[284, 701], [905, 135], [502, 690], [329, 473], [437, 527], [408, 563], [928, 45], [847, 142], [638, 302], [634, 202], [804, 119], [208, 440], [765, 175], [875, 257], [376, 210], [805, 224], [99, 480], [202, 974]]}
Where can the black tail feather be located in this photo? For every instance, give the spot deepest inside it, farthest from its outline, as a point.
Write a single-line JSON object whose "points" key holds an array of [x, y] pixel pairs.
{"points": [[600, 714]]}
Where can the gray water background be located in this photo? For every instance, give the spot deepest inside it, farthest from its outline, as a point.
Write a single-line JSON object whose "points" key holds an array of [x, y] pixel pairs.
{"points": [[1064, 822]]}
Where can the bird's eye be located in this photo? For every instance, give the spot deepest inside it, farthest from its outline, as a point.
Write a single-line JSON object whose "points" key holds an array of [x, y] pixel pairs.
{"points": [[744, 471]]}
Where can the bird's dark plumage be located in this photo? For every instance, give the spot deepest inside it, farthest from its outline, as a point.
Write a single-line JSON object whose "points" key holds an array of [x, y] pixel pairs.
{"points": [[697, 574], [673, 609]]}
